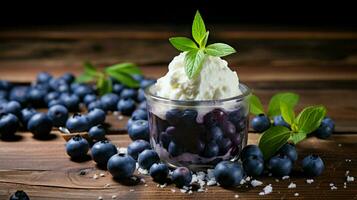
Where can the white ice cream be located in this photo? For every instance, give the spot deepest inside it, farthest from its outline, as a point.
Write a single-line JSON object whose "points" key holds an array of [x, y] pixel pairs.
{"points": [[216, 81]]}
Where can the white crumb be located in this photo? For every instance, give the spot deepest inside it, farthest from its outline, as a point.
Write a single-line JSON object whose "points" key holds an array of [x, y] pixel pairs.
{"points": [[331, 184], [107, 185], [256, 183], [183, 190], [114, 196], [100, 198], [292, 185], [236, 196], [333, 188], [173, 190], [339, 145], [101, 174], [266, 190], [123, 150], [276, 180], [296, 194], [95, 176], [242, 182], [146, 185], [309, 181], [143, 171], [211, 182], [131, 190], [248, 178], [190, 192], [163, 186], [285, 177], [350, 178], [347, 172]]}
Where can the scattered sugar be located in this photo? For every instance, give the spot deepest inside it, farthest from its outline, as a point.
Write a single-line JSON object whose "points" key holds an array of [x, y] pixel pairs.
{"points": [[333, 188], [211, 182], [183, 190], [163, 186], [143, 171], [123, 150], [350, 179], [107, 185], [296, 194], [266, 190], [339, 145], [292, 185], [242, 182], [347, 172], [173, 190], [146, 185], [348, 160], [101, 174], [201, 190], [114, 196], [190, 192], [131, 190], [332, 184], [236, 196], [95, 176], [270, 174], [142, 180], [309, 181], [248, 178], [276, 180], [285, 177], [256, 183], [100, 198]]}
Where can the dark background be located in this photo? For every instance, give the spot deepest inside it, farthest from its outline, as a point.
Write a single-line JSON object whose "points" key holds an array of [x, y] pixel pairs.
{"points": [[336, 14]]}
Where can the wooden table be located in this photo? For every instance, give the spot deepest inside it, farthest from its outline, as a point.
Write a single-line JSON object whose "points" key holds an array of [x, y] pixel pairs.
{"points": [[320, 65]]}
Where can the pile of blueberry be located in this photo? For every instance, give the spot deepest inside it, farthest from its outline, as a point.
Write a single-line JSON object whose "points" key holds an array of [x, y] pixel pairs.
{"points": [[262, 123]]}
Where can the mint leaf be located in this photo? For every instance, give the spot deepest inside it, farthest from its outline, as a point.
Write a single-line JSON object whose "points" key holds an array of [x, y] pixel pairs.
{"points": [[287, 112], [124, 78], [273, 139], [204, 41], [255, 106], [297, 137], [291, 99], [89, 69], [219, 49], [104, 85], [183, 43], [193, 62], [128, 68], [198, 28], [310, 118], [84, 78]]}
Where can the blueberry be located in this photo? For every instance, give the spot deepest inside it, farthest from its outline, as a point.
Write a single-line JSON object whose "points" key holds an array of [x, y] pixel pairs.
{"points": [[43, 77], [9, 124], [139, 114], [58, 114], [181, 177], [71, 101], [13, 107], [97, 133], [159, 172], [129, 123], [260, 123], [279, 121], [143, 105], [229, 129], [63, 88], [189, 116], [146, 82], [313, 165], [89, 98], [280, 165], [40, 125], [102, 151], [165, 139], [82, 90], [126, 106], [237, 116], [74, 86], [19, 94], [215, 134], [174, 149], [118, 88], [290, 151], [36, 97], [77, 123], [139, 130], [68, 77], [141, 95], [228, 173], [147, 158], [26, 115], [77, 147], [121, 166], [138, 77], [109, 101], [326, 128], [19, 195], [136, 147], [215, 118], [5, 85], [51, 96], [211, 150], [224, 145], [253, 165], [55, 83], [95, 104], [96, 116], [128, 93], [174, 116], [251, 150], [56, 102], [3, 94]]}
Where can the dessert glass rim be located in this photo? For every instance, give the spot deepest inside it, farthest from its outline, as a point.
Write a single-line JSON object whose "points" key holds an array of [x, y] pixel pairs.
{"points": [[150, 96]]}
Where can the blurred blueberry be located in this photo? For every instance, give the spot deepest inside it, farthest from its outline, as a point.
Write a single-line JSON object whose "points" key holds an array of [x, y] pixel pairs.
{"points": [[95, 104], [251, 150], [138, 77], [126, 106], [71, 101], [40, 125], [211, 150], [118, 88], [143, 105], [9, 124], [159, 172], [51, 96], [141, 95], [68, 77], [147, 82], [290, 151], [89, 98], [77, 123], [109, 101], [128, 93], [43, 77], [26, 115], [96, 116], [13, 107], [121, 166], [83, 90], [5, 85], [36, 97], [139, 114], [19, 94]]}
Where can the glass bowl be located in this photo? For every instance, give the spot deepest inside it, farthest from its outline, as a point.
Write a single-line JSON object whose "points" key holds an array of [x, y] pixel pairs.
{"points": [[198, 134]]}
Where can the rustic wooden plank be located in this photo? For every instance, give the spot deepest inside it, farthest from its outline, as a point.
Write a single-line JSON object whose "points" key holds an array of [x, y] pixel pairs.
{"points": [[42, 169]]}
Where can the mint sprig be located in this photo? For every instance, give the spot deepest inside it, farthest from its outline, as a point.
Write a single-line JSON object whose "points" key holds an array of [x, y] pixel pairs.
{"points": [[196, 51], [122, 72]]}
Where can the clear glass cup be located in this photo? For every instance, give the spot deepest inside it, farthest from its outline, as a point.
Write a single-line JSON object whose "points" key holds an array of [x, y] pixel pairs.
{"points": [[198, 134]]}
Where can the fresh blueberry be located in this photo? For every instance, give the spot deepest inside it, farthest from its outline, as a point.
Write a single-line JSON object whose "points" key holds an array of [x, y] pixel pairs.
{"points": [[3, 94], [63, 88], [118, 88], [26, 115], [139, 130], [96, 116], [229, 129], [215, 118], [159, 172], [40, 125], [68, 77], [126, 106], [97, 133], [9, 124], [77, 123], [136, 147], [51, 96], [260, 123], [181, 177], [165, 139], [146, 82], [121, 166], [55, 83], [189, 116], [95, 104], [128, 93], [89, 98], [141, 95], [36, 97], [143, 105], [19, 94], [174, 149], [290, 151], [147, 158], [139, 114], [102, 151], [13, 107], [77, 147], [71, 101], [58, 114], [237, 116], [280, 165], [138, 77], [326, 128], [251, 150], [253, 166], [43, 77], [215, 134], [279, 121], [224, 145], [129, 123], [174, 116], [313, 165], [83, 90], [5, 85], [74, 86], [109, 101], [228, 173], [55, 102], [211, 150], [19, 195]]}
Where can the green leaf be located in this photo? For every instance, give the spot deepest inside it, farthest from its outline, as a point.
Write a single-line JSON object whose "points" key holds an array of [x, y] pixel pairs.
{"points": [[193, 62], [273, 139], [128, 68], [183, 43], [219, 49], [204, 41], [255, 106], [198, 28], [297, 137], [291, 99], [89, 69], [287, 112], [310, 118], [124, 78], [84, 78]]}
